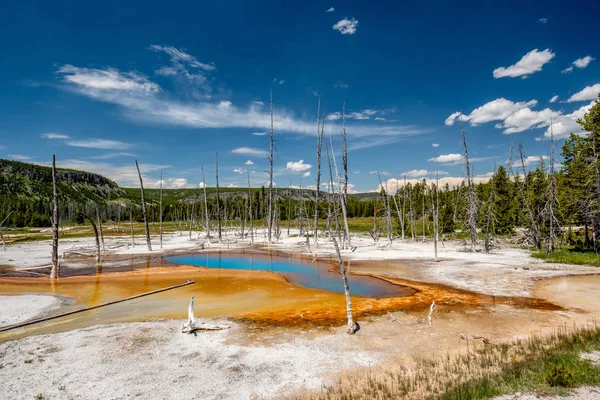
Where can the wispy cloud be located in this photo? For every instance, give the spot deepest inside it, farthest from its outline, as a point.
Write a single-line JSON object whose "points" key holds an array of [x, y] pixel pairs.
{"points": [[250, 151], [567, 70], [583, 62], [142, 100], [419, 173], [100, 144], [108, 156], [249, 162], [19, 157], [179, 56], [554, 98], [530, 63], [542, 20], [435, 145], [53, 135], [346, 26], [330, 9], [341, 85]]}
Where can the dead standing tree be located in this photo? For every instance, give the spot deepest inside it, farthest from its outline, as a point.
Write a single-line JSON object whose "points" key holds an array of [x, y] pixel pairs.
{"points": [[144, 214], [2, 236], [345, 188], [551, 205], [218, 198], [205, 204], [490, 215], [160, 226], [270, 210], [472, 219], [320, 133], [388, 214], [250, 209], [55, 263]]}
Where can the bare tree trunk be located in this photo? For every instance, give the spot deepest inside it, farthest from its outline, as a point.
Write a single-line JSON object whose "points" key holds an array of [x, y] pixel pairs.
{"points": [[411, 211], [131, 225], [205, 204], [424, 189], [96, 234], [345, 189], [351, 326], [250, 208], [400, 216], [330, 193], [320, 134], [55, 263], [270, 211], [218, 198], [388, 214], [161, 210], [2, 236], [99, 217], [192, 217], [436, 213], [472, 195], [148, 242]]}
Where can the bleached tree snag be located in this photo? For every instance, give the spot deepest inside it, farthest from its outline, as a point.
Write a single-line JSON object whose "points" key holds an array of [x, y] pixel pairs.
{"points": [[351, 326], [55, 262], [192, 218], [320, 133], [330, 193], [490, 216], [250, 207], [160, 226], [205, 204], [388, 215], [191, 325], [524, 192], [411, 211], [552, 191], [430, 316], [2, 236], [144, 215], [472, 221], [99, 218], [270, 210], [344, 194], [424, 195], [436, 211], [96, 234], [400, 216], [219, 234]]}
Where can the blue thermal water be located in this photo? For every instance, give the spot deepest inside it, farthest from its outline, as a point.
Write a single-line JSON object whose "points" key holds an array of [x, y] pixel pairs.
{"points": [[297, 271]]}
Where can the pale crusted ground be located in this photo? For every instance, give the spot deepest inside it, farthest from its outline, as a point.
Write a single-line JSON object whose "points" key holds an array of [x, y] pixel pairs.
{"points": [[15, 309]]}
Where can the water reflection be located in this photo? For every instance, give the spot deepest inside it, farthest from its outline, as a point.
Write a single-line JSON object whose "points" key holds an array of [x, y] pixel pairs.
{"points": [[297, 271]]}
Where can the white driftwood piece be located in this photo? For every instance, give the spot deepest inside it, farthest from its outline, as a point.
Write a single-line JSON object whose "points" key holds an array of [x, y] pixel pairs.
{"points": [[191, 325], [431, 308]]}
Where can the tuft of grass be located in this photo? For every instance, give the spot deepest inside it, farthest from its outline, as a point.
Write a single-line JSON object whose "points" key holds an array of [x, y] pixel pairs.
{"points": [[570, 255], [28, 361], [40, 396], [550, 364]]}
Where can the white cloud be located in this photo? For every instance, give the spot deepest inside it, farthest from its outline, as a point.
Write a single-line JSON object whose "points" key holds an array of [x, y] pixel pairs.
{"points": [[530, 63], [201, 185], [447, 158], [453, 117], [143, 101], [177, 183], [554, 98], [124, 174], [346, 26], [334, 116], [567, 70], [435, 145], [19, 157], [496, 110], [583, 62], [281, 82], [107, 156], [259, 133], [452, 181], [180, 56], [250, 151], [100, 144], [543, 20], [238, 170], [298, 166], [588, 93], [249, 162], [330, 9], [232, 185], [416, 173], [530, 160], [341, 85], [566, 124], [107, 80], [306, 174], [525, 119], [53, 135]]}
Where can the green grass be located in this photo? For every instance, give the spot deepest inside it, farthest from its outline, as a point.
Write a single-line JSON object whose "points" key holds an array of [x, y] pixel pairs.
{"points": [[548, 365], [570, 255]]}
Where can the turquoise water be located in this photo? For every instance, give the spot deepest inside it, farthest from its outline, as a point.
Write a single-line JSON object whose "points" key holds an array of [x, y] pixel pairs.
{"points": [[297, 271]]}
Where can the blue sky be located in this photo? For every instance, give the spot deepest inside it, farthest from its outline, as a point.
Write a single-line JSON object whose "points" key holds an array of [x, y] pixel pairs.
{"points": [[171, 84]]}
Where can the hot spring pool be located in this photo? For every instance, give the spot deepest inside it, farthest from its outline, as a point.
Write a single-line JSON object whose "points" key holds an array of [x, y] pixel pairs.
{"points": [[297, 271]]}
